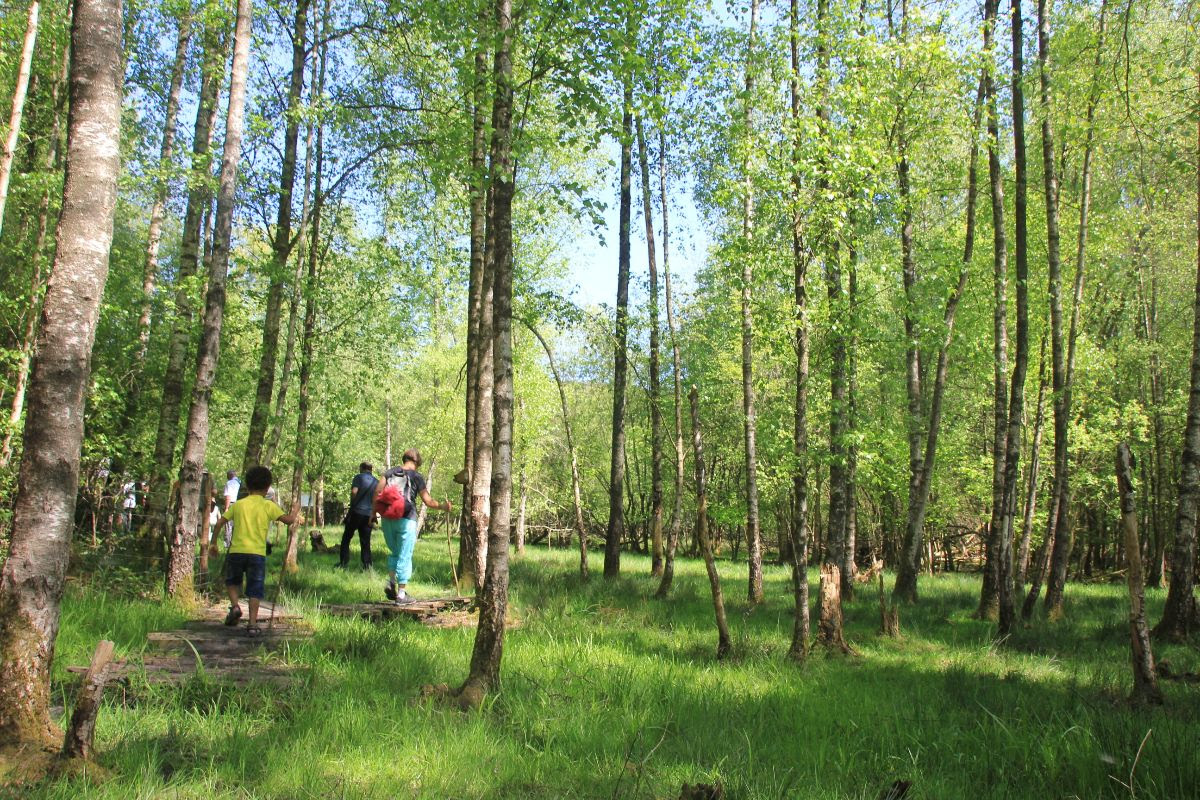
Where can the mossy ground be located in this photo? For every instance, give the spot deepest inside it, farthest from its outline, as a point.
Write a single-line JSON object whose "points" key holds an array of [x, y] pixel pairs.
{"points": [[609, 693]]}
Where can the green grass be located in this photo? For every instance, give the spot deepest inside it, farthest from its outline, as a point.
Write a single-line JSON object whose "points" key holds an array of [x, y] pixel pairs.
{"points": [[609, 693]]}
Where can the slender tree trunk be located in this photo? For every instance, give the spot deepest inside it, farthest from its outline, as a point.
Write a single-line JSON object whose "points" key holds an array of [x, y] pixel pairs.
{"points": [[281, 246], [1181, 615], [1031, 484], [481, 471], [996, 598], [1060, 554], [836, 515], [656, 483], [1145, 681], [1062, 536], [199, 196], [36, 288], [493, 600], [18, 104], [800, 259], [33, 575], [615, 533], [576, 491], [308, 337], [1005, 590], [294, 323], [187, 524], [475, 295], [724, 642], [668, 576], [749, 413], [154, 236], [910, 563]]}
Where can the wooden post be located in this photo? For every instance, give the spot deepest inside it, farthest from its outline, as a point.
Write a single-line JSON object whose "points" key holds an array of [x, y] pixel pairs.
{"points": [[1145, 682], [78, 742]]}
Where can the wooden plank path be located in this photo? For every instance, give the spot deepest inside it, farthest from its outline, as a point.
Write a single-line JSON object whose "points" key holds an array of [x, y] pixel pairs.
{"points": [[436, 612], [222, 653]]}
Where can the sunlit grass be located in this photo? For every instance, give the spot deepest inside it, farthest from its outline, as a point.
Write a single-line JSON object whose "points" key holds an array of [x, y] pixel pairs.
{"points": [[610, 693]]}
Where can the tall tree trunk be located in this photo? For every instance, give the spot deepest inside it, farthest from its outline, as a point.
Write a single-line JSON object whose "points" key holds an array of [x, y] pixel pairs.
{"points": [[32, 578], [294, 323], [493, 599], [1005, 591], [187, 524], [199, 196], [800, 258], [576, 492], [36, 287], [1145, 681], [724, 642], [154, 236], [1060, 554], [1060, 501], [475, 294], [668, 576], [281, 246], [1061, 535], [1181, 615], [18, 104], [615, 533], [749, 413], [656, 483], [910, 562], [311, 287]]}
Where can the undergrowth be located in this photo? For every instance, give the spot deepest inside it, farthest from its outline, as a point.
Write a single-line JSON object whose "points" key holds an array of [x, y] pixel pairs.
{"points": [[609, 693]]}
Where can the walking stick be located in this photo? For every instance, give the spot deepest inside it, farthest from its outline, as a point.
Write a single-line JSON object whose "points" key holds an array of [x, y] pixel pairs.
{"points": [[450, 553]]}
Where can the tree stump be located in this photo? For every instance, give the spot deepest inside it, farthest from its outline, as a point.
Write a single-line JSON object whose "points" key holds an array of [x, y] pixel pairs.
{"points": [[889, 617], [78, 742], [829, 627]]}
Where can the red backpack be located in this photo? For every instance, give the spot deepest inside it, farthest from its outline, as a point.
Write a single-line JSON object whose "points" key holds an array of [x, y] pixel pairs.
{"points": [[390, 502]]}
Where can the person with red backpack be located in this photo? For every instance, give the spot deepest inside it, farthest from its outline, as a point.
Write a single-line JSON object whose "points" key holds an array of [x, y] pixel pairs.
{"points": [[395, 502]]}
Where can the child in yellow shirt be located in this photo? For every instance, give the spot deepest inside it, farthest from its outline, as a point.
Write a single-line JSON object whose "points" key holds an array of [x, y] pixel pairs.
{"points": [[247, 558]]}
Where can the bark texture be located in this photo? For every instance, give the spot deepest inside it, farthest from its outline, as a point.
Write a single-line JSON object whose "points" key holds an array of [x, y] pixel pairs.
{"points": [[31, 581]]}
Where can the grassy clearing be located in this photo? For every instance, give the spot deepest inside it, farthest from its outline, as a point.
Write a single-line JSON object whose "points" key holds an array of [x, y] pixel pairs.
{"points": [[609, 693]]}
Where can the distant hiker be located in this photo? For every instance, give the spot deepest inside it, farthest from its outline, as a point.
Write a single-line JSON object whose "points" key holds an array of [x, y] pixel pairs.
{"points": [[232, 487], [247, 557], [128, 504], [361, 516], [401, 534]]}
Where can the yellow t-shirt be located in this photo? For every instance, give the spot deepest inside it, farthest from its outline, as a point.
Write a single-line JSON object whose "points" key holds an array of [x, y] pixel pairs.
{"points": [[251, 517]]}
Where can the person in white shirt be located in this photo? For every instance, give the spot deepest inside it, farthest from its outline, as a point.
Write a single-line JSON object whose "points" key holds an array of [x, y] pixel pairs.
{"points": [[232, 487], [128, 504]]}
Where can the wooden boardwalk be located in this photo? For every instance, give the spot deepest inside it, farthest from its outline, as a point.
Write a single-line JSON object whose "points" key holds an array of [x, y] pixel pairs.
{"points": [[437, 612], [223, 653]]}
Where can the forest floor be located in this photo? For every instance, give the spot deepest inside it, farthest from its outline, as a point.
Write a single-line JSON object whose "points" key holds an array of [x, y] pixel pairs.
{"points": [[609, 693]]}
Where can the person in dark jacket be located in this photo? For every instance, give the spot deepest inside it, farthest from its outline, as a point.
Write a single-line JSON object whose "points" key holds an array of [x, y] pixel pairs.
{"points": [[361, 516]]}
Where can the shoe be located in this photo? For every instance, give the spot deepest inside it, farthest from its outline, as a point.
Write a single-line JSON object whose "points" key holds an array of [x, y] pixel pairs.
{"points": [[253, 631], [402, 598], [235, 613], [389, 591]]}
